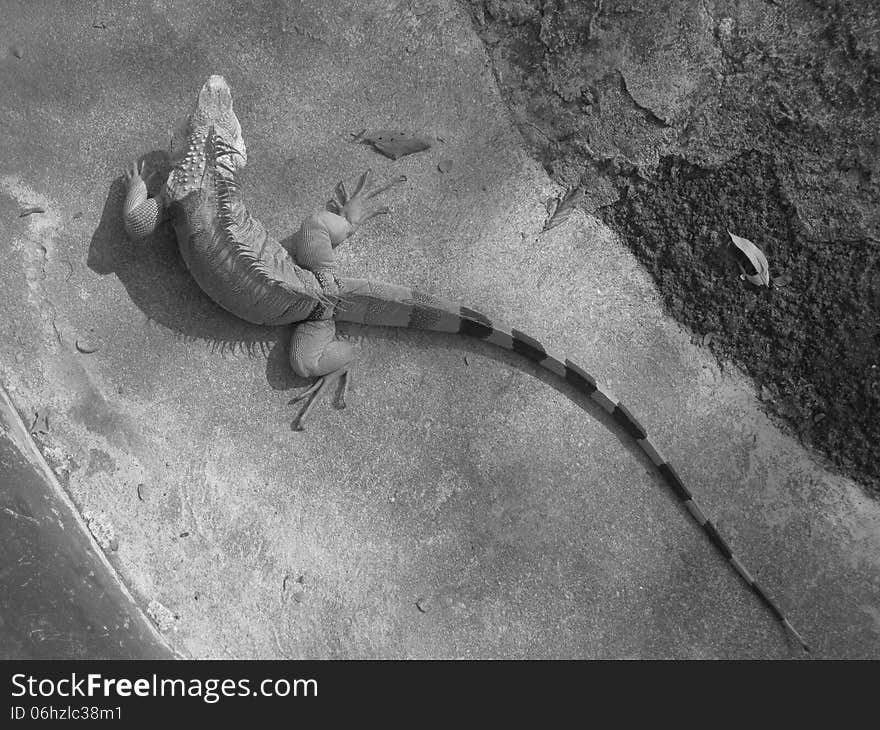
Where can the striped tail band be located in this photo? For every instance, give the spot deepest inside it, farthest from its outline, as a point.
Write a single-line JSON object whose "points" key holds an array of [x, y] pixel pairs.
{"points": [[389, 305]]}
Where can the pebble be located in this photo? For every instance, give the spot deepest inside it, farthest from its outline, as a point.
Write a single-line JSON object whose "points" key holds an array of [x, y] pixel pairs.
{"points": [[86, 347]]}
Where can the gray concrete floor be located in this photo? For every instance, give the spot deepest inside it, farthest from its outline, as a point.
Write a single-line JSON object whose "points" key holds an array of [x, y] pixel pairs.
{"points": [[459, 507]]}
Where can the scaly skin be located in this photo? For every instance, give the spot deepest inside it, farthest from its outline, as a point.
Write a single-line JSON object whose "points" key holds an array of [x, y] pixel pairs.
{"points": [[235, 261]]}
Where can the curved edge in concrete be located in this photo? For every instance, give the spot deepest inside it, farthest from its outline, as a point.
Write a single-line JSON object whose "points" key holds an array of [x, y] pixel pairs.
{"points": [[60, 597]]}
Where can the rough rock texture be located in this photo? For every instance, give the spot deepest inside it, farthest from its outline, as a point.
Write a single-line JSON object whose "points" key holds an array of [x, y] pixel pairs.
{"points": [[683, 120]]}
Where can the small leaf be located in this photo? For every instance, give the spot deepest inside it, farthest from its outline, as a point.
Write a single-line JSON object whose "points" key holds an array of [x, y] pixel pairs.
{"points": [[781, 281], [395, 144], [566, 206], [31, 209], [41, 421], [86, 347], [445, 165], [756, 258]]}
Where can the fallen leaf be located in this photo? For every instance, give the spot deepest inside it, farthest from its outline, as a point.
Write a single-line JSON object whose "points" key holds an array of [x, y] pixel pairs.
{"points": [[781, 281], [564, 208], [424, 605], [395, 144], [30, 210], [86, 347], [445, 165], [756, 258], [41, 421], [16, 51]]}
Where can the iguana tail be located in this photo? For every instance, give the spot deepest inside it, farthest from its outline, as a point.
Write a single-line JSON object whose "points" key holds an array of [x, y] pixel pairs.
{"points": [[388, 305]]}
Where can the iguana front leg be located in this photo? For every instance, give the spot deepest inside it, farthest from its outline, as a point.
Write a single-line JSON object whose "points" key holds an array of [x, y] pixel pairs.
{"points": [[314, 350], [140, 214]]}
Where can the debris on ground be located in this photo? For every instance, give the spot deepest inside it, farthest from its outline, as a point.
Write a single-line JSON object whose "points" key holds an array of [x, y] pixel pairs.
{"points": [[163, 618], [759, 271], [394, 144], [101, 528], [86, 346], [40, 424], [560, 209]]}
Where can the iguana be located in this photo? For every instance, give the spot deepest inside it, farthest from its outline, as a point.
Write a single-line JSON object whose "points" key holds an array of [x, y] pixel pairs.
{"points": [[249, 273]]}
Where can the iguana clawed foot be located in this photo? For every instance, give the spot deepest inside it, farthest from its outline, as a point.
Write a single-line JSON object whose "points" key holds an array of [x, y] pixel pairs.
{"points": [[314, 391], [134, 173], [352, 207]]}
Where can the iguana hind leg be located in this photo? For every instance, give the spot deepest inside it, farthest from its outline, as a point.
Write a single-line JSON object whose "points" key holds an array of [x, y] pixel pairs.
{"points": [[316, 353], [314, 350]]}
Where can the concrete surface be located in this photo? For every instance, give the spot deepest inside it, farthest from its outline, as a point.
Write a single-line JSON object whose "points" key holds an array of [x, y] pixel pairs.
{"points": [[60, 598], [459, 507]]}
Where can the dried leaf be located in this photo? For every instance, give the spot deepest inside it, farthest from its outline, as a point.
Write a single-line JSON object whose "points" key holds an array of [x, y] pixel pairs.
{"points": [[396, 144], [756, 258], [30, 210], [41, 421], [781, 281], [445, 165], [566, 206], [86, 347]]}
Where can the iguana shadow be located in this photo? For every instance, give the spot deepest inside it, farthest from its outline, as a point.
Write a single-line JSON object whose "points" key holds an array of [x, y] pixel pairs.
{"points": [[158, 283]]}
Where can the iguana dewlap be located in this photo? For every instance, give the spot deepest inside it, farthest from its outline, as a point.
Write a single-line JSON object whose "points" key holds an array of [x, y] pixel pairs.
{"points": [[249, 273]]}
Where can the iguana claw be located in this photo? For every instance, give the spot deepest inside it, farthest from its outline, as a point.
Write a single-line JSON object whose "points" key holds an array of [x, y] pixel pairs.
{"points": [[314, 391], [352, 207]]}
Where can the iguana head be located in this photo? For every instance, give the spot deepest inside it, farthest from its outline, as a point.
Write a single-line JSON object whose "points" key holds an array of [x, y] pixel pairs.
{"points": [[213, 109]]}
